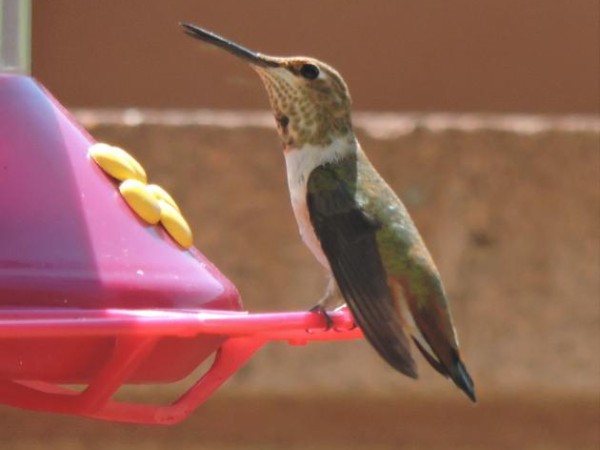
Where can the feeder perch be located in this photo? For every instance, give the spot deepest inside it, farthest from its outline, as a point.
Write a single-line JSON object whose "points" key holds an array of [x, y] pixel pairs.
{"points": [[91, 294]]}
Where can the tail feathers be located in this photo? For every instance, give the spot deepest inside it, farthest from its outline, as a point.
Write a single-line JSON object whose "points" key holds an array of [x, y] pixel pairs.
{"points": [[430, 359], [457, 371], [387, 336], [463, 380]]}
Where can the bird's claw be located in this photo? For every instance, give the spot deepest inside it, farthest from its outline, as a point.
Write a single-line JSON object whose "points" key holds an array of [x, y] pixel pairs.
{"points": [[319, 309], [344, 308]]}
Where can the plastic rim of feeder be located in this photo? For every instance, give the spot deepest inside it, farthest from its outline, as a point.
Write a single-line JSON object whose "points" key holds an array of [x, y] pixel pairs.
{"points": [[136, 333]]}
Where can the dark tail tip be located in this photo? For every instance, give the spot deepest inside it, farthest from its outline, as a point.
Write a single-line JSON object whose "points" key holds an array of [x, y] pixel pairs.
{"points": [[463, 380]]}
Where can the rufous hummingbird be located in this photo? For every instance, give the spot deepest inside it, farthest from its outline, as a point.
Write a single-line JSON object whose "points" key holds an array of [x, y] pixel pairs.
{"points": [[351, 220]]}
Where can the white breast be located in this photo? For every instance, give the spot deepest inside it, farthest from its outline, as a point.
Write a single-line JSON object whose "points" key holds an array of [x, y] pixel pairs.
{"points": [[300, 163]]}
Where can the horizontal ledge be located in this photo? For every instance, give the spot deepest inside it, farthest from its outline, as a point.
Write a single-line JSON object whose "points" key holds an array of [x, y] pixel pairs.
{"points": [[379, 125], [296, 327]]}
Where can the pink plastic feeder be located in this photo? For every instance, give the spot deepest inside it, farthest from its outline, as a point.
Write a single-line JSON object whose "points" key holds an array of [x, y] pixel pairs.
{"points": [[92, 295]]}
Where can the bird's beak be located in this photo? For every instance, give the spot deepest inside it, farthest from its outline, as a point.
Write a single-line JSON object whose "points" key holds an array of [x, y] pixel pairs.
{"points": [[253, 58]]}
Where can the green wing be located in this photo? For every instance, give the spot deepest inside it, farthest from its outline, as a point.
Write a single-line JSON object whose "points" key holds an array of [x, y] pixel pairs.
{"points": [[348, 239], [351, 240]]}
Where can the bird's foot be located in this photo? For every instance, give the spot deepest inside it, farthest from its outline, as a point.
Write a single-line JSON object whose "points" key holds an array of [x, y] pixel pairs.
{"points": [[344, 308], [320, 309]]}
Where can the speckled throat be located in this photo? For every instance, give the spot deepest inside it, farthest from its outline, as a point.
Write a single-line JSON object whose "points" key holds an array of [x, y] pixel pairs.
{"points": [[308, 113]]}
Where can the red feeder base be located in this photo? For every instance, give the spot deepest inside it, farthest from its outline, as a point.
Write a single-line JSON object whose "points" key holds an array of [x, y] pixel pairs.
{"points": [[135, 335]]}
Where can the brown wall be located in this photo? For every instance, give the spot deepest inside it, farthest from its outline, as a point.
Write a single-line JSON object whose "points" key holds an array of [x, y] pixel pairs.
{"points": [[511, 219], [509, 210], [503, 55]]}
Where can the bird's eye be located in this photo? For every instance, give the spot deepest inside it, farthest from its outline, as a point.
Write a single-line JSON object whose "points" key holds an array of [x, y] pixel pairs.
{"points": [[309, 71]]}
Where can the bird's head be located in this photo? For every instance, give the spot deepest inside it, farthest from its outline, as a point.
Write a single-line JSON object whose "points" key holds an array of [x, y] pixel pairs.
{"points": [[309, 98]]}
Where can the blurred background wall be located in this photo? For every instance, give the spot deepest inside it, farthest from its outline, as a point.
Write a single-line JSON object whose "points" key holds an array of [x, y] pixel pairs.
{"points": [[537, 56], [490, 135]]}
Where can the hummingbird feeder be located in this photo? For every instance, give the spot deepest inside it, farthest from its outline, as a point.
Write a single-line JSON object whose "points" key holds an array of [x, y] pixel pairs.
{"points": [[91, 294]]}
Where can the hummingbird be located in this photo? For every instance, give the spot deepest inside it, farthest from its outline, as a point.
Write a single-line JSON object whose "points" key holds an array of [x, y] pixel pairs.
{"points": [[351, 220]]}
